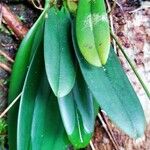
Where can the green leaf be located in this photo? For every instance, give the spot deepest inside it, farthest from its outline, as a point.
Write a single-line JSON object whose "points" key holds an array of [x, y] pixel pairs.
{"points": [[28, 98], [77, 111], [57, 51], [47, 132], [92, 31], [28, 46], [39, 121], [114, 93]]}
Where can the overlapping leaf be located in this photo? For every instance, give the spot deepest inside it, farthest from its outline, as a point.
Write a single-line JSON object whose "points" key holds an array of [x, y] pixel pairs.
{"points": [[39, 121], [114, 93], [28, 46], [92, 31], [47, 131], [77, 112], [39, 124], [28, 98], [57, 52]]}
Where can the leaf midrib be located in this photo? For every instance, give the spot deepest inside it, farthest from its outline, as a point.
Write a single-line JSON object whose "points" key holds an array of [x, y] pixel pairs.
{"points": [[91, 10], [122, 103]]}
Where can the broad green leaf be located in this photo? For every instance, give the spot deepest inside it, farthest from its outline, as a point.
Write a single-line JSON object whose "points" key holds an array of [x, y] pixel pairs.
{"points": [[114, 93], [77, 112], [29, 44], [27, 101], [39, 121], [47, 132], [92, 31], [27, 47], [57, 52]]}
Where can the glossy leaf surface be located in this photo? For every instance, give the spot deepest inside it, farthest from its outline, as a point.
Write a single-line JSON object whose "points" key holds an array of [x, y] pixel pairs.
{"points": [[39, 121], [77, 112], [92, 31], [27, 102], [57, 52], [47, 129], [114, 93], [29, 44]]}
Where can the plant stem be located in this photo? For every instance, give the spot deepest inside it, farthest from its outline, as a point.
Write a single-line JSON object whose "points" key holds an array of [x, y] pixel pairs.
{"points": [[37, 7], [108, 130], [92, 145], [10, 106], [6, 56], [131, 65], [5, 67], [47, 4]]}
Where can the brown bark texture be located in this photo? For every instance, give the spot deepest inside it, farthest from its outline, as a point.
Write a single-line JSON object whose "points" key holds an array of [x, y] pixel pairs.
{"points": [[13, 22]]}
